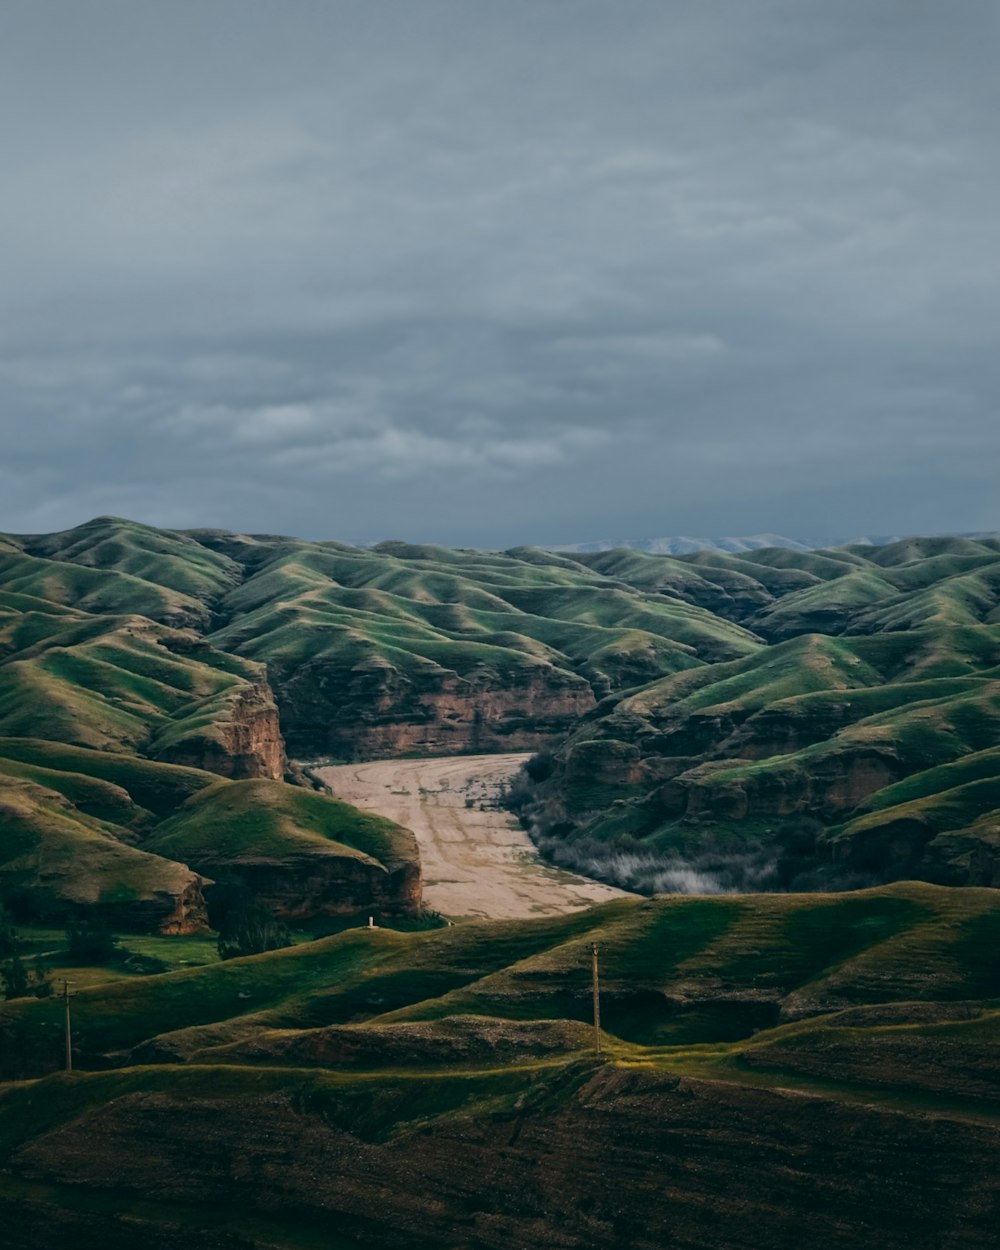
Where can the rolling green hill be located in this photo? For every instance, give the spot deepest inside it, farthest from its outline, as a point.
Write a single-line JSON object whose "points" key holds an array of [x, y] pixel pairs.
{"points": [[142, 844], [733, 718], [767, 770], [818, 1069], [732, 714], [396, 648], [403, 648]]}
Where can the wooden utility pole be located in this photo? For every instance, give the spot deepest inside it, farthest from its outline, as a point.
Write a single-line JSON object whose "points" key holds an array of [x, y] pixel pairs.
{"points": [[597, 999], [69, 1028]]}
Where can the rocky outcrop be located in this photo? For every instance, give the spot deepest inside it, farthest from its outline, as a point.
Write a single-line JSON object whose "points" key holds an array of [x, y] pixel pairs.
{"points": [[164, 912], [604, 760], [247, 743], [835, 783], [374, 710], [321, 882], [253, 742], [252, 737], [159, 897]]}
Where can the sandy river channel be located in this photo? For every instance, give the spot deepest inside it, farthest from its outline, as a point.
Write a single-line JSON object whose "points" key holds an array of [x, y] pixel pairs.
{"points": [[477, 860]]}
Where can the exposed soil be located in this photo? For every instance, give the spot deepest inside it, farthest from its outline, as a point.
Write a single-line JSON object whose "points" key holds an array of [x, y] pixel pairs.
{"points": [[477, 861]]}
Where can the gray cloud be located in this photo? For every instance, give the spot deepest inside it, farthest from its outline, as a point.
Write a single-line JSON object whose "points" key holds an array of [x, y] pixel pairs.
{"points": [[488, 274]]}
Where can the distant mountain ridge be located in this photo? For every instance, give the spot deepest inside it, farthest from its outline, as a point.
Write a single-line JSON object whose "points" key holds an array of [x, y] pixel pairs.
{"points": [[683, 545]]}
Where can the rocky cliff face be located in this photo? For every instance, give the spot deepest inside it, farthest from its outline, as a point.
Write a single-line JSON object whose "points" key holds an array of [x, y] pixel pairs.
{"points": [[306, 886], [162, 912], [246, 743], [374, 710], [170, 900], [587, 1160], [835, 785], [253, 740]]}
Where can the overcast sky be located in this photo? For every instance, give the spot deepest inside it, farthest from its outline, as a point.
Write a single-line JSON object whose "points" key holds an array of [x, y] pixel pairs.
{"points": [[484, 273]]}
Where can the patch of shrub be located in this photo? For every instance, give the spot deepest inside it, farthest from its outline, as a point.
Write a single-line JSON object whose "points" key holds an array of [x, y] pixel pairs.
{"points": [[251, 930], [143, 965], [540, 767], [8, 936], [19, 981], [90, 941]]}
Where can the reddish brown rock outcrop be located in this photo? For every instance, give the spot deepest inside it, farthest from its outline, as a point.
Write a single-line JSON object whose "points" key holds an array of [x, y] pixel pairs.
{"points": [[248, 743], [835, 784], [380, 711], [322, 883]]}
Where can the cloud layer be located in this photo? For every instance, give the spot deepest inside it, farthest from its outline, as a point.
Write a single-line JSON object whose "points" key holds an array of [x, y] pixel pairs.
{"points": [[489, 274]]}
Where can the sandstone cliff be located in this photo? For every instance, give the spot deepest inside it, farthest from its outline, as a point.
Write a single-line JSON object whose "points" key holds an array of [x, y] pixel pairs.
{"points": [[373, 709], [244, 741]]}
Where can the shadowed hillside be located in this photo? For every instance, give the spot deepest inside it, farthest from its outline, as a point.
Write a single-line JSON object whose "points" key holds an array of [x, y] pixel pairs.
{"points": [[775, 1071]]}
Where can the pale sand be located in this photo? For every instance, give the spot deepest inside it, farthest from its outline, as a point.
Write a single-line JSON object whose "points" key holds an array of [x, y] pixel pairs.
{"points": [[475, 863]]}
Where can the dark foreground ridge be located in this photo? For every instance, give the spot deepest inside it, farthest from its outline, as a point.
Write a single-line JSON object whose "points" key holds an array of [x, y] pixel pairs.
{"points": [[777, 1071]]}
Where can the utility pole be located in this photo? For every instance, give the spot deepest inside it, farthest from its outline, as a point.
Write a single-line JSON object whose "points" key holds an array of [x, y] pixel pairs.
{"points": [[597, 999], [69, 1027]]}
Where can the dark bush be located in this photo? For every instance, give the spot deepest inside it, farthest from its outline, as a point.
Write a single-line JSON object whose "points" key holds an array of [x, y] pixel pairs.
{"points": [[251, 930], [18, 982], [15, 978], [540, 767], [90, 941], [8, 936]]}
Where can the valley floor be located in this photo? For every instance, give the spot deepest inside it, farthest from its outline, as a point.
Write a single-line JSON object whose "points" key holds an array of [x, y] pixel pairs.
{"points": [[476, 859]]}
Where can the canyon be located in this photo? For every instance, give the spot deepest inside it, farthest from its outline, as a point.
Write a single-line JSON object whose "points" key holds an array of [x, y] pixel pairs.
{"points": [[333, 734]]}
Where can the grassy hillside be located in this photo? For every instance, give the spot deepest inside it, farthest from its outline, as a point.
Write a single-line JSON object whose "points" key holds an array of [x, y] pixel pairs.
{"points": [[405, 647], [779, 593], [140, 844], [684, 742], [839, 1049], [56, 861], [400, 647], [761, 771], [675, 972]]}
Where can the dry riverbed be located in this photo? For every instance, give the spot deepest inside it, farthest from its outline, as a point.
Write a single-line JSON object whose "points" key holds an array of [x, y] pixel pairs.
{"points": [[477, 860]]}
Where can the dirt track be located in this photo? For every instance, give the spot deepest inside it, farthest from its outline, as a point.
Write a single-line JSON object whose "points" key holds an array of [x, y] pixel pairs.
{"points": [[476, 862]]}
